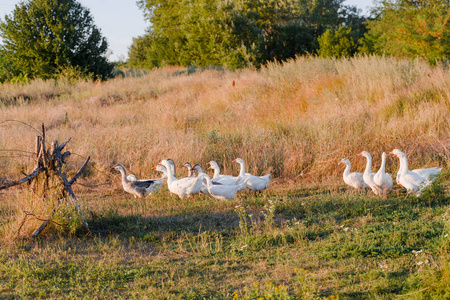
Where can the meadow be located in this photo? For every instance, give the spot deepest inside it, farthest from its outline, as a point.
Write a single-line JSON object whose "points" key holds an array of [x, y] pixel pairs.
{"points": [[306, 237]]}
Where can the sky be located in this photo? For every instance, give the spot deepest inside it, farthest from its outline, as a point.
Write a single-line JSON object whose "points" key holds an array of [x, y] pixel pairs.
{"points": [[121, 20]]}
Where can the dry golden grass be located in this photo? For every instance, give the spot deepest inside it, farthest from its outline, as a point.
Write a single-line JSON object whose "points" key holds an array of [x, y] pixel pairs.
{"points": [[296, 120]]}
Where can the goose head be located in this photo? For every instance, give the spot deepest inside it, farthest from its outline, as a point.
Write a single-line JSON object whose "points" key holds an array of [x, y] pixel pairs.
{"points": [[167, 165], [365, 154], [189, 167], [345, 161], [119, 168], [197, 168], [397, 153], [160, 168], [239, 161], [213, 165]]}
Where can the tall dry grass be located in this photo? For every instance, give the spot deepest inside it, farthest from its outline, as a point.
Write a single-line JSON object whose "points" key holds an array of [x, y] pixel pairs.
{"points": [[297, 119]]}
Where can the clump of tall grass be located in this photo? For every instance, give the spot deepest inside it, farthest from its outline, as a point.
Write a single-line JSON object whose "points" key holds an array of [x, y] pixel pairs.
{"points": [[44, 200]]}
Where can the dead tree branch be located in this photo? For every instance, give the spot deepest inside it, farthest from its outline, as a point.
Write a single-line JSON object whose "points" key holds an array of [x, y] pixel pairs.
{"points": [[52, 163], [23, 180]]}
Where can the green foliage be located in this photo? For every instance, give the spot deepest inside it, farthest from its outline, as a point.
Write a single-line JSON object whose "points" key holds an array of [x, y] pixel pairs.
{"points": [[235, 34], [303, 287], [70, 216], [42, 38], [433, 277], [337, 43], [410, 29]]}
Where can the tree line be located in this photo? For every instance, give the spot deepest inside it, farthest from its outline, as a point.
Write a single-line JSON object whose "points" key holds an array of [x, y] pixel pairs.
{"points": [[238, 33], [47, 38], [243, 33]]}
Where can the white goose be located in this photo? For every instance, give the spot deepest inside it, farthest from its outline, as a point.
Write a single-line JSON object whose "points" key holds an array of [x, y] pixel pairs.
{"points": [[200, 172], [411, 180], [197, 168], [424, 173], [254, 183], [368, 175], [172, 166], [184, 187], [220, 178], [353, 179], [382, 179], [222, 191], [139, 188], [204, 189], [190, 171]]}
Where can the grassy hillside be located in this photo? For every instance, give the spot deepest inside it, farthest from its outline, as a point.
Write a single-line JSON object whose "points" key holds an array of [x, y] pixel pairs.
{"points": [[296, 120], [306, 237]]}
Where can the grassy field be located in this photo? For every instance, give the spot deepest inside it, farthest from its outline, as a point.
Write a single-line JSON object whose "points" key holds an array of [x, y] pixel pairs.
{"points": [[288, 243], [306, 237]]}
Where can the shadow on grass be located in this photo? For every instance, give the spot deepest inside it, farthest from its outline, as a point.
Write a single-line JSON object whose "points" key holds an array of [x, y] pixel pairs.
{"points": [[136, 225]]}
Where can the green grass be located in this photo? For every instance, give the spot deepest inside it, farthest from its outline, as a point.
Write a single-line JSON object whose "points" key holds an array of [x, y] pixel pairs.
{"points": [[309, 243]]}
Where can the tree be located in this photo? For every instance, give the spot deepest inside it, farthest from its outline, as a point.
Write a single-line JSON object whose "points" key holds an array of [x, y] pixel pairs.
{"points": [[337, 43], [234, 33], [407, 28], [43, 37]]}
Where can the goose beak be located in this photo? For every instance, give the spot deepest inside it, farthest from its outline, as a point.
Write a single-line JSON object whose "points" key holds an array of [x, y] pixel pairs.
{"points": [[154, 168], [392, 152], [209, 163], [209, 167], [234, 160]]}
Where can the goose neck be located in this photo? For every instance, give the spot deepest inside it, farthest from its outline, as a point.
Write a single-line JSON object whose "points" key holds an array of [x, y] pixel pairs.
{"points": [[205, 177], [347, 170], [403, 164], [368, 169], [216, 172], [242, 171], [169, 173], [383, 164], [123, 173]]}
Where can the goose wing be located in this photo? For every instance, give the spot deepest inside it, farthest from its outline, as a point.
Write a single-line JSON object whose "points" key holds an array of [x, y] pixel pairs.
{"points": [[143, 183]]}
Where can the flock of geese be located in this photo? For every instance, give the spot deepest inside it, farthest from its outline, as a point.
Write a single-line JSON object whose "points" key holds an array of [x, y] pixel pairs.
{"points": [[414, 181], [225, 187], [222, 187]]}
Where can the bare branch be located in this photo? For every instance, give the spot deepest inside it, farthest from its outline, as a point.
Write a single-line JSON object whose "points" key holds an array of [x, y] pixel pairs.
{"points": [[25, 179], [37, 231], [44, 152], [80, 171], [61, 147], [65, 155], [21, 225], [38, 146], [43, 220]]}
